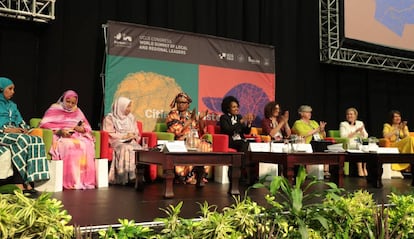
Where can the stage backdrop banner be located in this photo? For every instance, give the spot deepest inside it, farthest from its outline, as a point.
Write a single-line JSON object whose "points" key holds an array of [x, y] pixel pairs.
{"points": [[152, 65]]}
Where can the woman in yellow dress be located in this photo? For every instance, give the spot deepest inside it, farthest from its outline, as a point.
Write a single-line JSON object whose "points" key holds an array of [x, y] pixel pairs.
{"points": [[396, 131]]}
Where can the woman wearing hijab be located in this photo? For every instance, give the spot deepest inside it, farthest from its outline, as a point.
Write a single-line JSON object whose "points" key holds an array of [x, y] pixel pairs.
{"points": [[28, 152], [72, 141], [123, 137]]}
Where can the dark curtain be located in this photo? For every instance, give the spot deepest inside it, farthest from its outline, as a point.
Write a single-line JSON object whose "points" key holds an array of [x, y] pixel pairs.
{"points": [[68, 53]]}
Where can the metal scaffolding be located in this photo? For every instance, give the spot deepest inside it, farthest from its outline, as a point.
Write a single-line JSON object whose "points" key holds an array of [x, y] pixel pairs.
{"points": [[31, 10], [332, 51]]}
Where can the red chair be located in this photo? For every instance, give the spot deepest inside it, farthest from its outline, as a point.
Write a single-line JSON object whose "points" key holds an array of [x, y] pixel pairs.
{"points": [[107, 151], [220, 141]]}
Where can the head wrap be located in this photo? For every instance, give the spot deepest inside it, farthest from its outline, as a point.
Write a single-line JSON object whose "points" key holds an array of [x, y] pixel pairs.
{"points": [[123, 123], [4, 82], [65, 95], [58, 117], [9, 114], [179, 95]]}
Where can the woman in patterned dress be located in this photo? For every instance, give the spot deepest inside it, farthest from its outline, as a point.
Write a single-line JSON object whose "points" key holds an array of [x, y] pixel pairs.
{"points": [[28, 152], [180, 121]]}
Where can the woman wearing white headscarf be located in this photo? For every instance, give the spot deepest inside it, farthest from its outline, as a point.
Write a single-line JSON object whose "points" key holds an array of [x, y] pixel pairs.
{"points": [[123, 137]]}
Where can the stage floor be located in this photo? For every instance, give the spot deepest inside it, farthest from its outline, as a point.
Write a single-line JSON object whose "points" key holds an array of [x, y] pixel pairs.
{"points": [[104, 206]]}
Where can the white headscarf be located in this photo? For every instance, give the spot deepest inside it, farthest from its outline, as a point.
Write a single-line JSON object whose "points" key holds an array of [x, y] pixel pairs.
{"points": [[122, 122]]}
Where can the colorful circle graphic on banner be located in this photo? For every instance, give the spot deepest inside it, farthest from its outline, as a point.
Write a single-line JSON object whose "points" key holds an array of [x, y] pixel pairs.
{"points": [[151, 94]]}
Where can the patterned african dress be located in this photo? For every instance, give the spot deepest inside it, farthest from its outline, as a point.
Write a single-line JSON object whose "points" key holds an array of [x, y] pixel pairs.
{"points": [[28, 155]]}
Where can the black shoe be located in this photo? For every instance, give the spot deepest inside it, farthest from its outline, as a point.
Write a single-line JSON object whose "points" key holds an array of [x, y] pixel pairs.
{"points": [[31, 193], [180, 180]]}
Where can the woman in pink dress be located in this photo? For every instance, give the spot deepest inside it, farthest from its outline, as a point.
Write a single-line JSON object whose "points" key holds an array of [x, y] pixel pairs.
{"points": [[72, 141]]}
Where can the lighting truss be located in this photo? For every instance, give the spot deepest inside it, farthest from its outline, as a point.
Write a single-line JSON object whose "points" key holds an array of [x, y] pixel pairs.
{"points": [[31, 10], [331, 50]]}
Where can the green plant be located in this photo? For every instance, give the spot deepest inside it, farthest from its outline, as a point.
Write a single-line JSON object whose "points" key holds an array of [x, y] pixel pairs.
{"points": [[23, 217], [240, 220], [401, 216], [128, 229], [175, 226], [351, 215], [307, 209], [295, 211]]}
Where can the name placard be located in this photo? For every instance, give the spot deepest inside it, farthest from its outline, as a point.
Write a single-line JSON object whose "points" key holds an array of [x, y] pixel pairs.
{"points": [[259, 147], [174, 146], [161, 143], [304, 148], [387, 150], [279, 147]]}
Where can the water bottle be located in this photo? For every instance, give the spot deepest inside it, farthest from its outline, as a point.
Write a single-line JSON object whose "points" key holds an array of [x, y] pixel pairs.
{"points": [[192, 139]]}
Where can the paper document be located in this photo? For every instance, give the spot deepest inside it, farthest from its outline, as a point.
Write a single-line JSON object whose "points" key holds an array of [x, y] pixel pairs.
{"points": [[335, 148]]}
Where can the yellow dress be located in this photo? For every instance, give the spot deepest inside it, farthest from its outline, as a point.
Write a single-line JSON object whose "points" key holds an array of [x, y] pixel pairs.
{"points": [[404, 143]]}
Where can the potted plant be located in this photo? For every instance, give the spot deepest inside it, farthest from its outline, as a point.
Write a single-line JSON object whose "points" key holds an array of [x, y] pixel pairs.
{"points": [[23, 217]]}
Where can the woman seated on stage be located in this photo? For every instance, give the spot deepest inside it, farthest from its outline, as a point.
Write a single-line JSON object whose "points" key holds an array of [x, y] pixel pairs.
{"points": [[181, 122], [310, 129], [236, 126], [28, 154], [354, 130], [72, 141], [396, 131], [274, 124], [123, 137]]}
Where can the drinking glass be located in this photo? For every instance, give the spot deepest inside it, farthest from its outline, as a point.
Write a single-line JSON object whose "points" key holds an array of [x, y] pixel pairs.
{"points": [[145, 143]]}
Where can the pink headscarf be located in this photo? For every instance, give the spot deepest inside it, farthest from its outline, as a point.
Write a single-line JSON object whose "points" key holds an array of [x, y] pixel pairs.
{"points": [[58, 117], [123, 123], [65, 95]]}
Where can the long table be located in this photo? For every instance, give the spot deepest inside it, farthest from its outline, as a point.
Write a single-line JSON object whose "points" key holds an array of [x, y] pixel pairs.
{"points": [[288, 161], [169, 159], [375, 161]]}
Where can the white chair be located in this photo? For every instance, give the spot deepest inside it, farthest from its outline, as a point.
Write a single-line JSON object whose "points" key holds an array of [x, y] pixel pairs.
{"points": [[6, 169]]}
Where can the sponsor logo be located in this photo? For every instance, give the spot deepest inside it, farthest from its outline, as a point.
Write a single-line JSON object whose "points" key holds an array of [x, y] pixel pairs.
{"points": [[226, 56], [122, 40], [252, 60], [241, 58], [266, 61]]}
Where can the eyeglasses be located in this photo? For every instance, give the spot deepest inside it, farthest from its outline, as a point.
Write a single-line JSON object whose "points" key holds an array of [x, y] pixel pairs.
{"points": [[182, 102]]}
